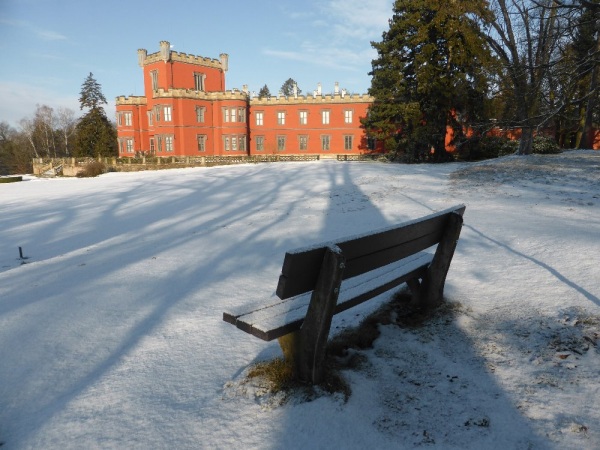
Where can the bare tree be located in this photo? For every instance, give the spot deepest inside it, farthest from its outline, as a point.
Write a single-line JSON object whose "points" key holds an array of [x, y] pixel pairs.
{"points": [[66, 121], [45, 123], [28, 129], [525, 38]]}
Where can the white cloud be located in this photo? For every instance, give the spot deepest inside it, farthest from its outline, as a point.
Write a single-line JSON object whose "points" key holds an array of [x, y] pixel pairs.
{"points": [[44, 34], [19, 100], [344, 31]]}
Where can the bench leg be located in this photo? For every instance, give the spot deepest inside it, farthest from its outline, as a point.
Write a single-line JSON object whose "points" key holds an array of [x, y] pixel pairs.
{"points": [[306, 347], [414, 285], [432, 287]]}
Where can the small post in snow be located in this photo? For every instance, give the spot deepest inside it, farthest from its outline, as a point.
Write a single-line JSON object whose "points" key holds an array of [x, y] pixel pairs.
{"points": [[21, 257]]}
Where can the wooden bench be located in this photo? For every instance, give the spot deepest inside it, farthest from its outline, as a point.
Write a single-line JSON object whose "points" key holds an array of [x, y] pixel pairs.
{"points": [[319, 281]]}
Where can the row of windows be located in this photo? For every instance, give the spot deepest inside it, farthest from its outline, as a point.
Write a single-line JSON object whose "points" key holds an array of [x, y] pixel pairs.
{"points": [[165, 113], [302, 143], [124, 118], [233, 143], [230, 115], [303, 117], [199, 80]]}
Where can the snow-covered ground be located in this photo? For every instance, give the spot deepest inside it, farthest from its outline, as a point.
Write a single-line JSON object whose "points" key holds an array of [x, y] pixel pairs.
{"points": [[111, 334]]}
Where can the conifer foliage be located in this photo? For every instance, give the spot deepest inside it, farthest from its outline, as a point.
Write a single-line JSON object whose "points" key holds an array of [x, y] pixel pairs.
{"points": [[429, 75], [95, 134]]}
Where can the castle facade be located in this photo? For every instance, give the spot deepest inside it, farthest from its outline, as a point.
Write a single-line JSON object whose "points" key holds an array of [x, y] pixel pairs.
{"points": [[186, 111]]}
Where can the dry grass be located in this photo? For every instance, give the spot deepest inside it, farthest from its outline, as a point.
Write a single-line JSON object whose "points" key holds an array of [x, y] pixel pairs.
{"points": [[278, 374]]}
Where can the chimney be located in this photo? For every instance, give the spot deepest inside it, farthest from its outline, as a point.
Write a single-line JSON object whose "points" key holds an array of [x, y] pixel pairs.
{"points": [[336, 88], [318, 88]]}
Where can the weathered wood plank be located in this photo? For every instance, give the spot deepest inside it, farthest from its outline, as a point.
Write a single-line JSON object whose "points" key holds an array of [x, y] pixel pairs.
{"points": [[435, 278], [286, 316], [310, 350], [363, 252]]}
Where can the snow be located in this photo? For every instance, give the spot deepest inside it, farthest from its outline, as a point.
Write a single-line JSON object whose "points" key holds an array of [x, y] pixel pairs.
{"points": [[111, 332]]}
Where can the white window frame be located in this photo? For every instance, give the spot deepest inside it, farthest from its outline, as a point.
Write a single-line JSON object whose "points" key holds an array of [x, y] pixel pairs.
{"points": [[169, 143], [280, 117], [167, 113], [303, 117], [348, 115], [201, 139]]}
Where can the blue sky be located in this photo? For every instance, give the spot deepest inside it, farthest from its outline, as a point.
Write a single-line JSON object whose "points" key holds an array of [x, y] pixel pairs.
{"points": [[48, 47]]}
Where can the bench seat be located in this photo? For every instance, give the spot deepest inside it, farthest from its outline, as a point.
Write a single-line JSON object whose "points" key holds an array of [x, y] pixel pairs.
{"points": [[285, 316]]}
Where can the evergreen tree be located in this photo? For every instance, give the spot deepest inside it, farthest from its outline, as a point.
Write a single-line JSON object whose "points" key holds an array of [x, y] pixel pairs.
{"points": [[429, 73], [95, 135], [287, 88], [264, 92]]}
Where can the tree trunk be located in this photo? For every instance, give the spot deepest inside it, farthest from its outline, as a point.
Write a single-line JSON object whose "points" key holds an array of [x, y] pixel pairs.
{"points": [[526, 142], [587, 136]]}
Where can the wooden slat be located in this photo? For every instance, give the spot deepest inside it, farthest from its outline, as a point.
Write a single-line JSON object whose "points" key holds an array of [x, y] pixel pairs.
{"points": [[363, 253], [286, 316]]}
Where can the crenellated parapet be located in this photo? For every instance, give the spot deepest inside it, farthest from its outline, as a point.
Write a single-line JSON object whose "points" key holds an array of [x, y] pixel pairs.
{"points": [[166, 54], [200, 95], [131, 100], [312, 99]]}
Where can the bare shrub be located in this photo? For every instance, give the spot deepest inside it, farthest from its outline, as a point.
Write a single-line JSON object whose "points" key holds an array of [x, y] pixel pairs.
{"points": [[92, 169]]}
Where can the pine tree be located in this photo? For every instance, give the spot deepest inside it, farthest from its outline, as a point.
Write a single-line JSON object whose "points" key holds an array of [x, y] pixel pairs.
{"points": [[429, 72], [264, 92], [287, 88], [95, 134]]}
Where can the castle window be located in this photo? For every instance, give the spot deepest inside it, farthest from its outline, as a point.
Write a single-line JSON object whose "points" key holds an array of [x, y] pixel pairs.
{"points": [[201, 138], [152, 148], [159, 143], [242, 143], [233, 114], [325, 142], [280, 143], [325, 116], [167, 113], [259, 118], [242, 115], [225, 115], [303, 142], [129, 143], [227, 143], [303, 117], [348, 116], [119, 118], [168, 143], [127, 117], [150, 116], [280, 117], [154, 76], [199, 81], [200, 112], [157, 113], [234, 142], [348, 141], [260, 143]]}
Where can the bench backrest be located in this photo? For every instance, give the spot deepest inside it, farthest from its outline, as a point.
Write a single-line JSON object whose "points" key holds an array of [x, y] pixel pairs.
{"points": [[363, 253]]}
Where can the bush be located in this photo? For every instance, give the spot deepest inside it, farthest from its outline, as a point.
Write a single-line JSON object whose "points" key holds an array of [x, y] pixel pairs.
{"points": [[92, 169], [544, 145], [487, 147]]}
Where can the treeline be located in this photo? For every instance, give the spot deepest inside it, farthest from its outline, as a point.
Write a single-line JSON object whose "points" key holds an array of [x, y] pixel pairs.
{"points": [[478, 65], [55, 133]]}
